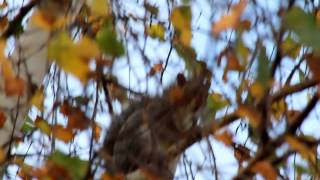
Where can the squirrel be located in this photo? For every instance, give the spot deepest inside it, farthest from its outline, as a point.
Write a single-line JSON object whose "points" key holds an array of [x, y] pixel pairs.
{"points": [[140, 136]]}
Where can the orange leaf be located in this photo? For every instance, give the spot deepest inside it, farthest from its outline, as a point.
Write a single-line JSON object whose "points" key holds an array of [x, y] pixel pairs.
{"points": [[305, 152], [225, 137], [231, 20], [97, 131], [61, 133], [242, 153], [265, 169], [155, 69], [107, 176], [251, 114], [14, 86]]}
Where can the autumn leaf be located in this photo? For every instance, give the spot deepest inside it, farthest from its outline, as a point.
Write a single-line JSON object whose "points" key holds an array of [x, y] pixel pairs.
{"points": [[305, 152], [251, 114], [155, 69], [108, 176], [181, 19], [73, 57], [63, 134], [241, 153], [306, 29], [47, 22], [265, 169], [290, 47], [42, 125], [156, 31], [256, 90], [37, 99], [98, 7], [108, 42], [76, 118], [216, 102], [225, 137], [74, 165], [14, 86], [97, 131], [231, 20], [313, 61]]}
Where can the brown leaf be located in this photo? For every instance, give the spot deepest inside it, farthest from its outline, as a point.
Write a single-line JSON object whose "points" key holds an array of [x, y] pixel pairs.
{"points": [[265, 169], [251, 114], [76, 118], [242, 153], [313, 62], [304, 150], [225, 137], [63, 134], [155, 69]]}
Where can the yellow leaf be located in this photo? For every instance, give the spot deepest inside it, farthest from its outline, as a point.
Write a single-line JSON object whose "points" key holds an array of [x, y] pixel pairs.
{"points": [[256, 90], [37, 99], [73, 58], [185, 37], [251, 114], [181, 20], [47, 22], [63, 134], [279, 108], [265, 169], [231, 20], [98, 7], [156, 31], [43, 125], [305, 152], [87, 48]]}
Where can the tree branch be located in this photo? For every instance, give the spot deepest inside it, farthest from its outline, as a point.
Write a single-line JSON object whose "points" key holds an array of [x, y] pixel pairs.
{"points": [[12, 27]]}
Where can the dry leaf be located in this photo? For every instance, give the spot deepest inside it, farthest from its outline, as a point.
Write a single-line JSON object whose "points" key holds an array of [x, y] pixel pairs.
{"points": [[251, 114], [305, 151], [61, 133], [231, 20], [225, 137], [265, 169]]}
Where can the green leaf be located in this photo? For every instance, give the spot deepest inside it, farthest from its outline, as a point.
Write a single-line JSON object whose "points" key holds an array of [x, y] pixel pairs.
{"points": [[303, 24], [28, 125], [290, 47], [216, 102], [108, 42], [263, 70], [75, 166]]}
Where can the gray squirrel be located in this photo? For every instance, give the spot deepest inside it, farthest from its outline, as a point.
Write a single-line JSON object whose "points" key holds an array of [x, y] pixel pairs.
{"points": [[140, 136]]}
